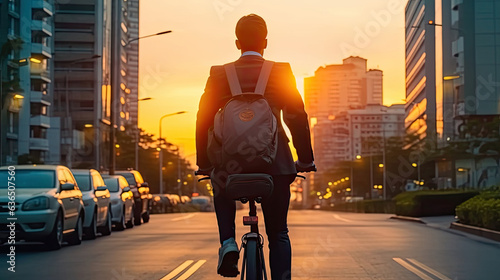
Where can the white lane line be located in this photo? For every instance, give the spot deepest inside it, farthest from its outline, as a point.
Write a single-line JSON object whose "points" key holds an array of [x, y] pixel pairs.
{"points": [[412, 269], [183, 217], [178, 270], [428, 269], [341, 219], [191, 270]]}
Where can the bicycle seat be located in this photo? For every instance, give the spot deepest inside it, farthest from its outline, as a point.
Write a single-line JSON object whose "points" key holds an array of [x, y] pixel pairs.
{"points": [[249, 186]]}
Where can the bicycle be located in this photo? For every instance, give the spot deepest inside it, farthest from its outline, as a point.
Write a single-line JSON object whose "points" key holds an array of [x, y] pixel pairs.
{"points": [[252, 189]]}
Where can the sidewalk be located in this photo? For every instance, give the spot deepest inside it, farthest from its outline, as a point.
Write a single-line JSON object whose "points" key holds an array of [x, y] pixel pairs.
{"points": [[450, 224]]}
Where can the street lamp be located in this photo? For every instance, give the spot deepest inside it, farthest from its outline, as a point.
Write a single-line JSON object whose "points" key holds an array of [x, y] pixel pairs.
{"points": [[137, 136], [358, 157], [161, 150], [147, 36]]}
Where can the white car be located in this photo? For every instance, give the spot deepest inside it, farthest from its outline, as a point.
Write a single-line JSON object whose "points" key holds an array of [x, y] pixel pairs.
{"points": [[45, 201], [122, 201], [96, 199]]}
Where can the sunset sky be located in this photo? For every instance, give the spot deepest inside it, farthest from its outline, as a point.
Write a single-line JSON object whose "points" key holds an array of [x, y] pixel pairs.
{"points": [[308, 34]]}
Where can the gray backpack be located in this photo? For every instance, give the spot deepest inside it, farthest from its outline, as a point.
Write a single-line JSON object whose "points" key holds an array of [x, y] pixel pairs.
{"points": [[244, 137]]}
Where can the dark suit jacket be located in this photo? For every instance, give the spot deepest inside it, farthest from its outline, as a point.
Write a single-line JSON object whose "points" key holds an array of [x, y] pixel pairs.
{"points": [[282, 95]]}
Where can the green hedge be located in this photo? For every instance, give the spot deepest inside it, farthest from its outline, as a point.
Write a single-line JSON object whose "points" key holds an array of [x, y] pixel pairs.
{"points": [[430, 203], [366, 206], [482, 210]]}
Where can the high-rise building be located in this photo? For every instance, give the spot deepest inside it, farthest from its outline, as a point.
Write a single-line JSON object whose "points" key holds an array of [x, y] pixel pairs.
{"points": [[26, 72], [423, 75], [335, 88], [476, 47], [82, 90], [133, 61], [357, 132]]}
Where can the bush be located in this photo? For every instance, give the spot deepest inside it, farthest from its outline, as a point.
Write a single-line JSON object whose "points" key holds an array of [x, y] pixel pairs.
{"points": [[430, 203], [482, 210], [366, 206]]}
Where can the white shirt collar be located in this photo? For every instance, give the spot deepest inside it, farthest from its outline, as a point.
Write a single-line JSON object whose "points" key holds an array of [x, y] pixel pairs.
{"points": [[250, 53]]}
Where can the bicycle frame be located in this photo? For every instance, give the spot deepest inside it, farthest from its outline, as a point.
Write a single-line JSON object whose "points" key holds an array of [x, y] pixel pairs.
{"points": [[253, 237]]}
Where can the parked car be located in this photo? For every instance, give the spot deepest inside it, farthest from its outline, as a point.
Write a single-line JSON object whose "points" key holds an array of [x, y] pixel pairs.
{"points": [[140, 189], [203, 202], [175, 200], [122, 201], [46, 201], [161, 204], [185, 199], [96, 199]]}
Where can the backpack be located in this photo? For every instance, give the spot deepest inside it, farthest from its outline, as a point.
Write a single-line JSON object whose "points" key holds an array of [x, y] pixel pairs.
{"points": [[244, 137]]}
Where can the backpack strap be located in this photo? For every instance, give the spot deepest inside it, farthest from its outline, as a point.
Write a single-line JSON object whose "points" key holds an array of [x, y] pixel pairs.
{"points": [[232, 78], [234, 83], [265, 72]]}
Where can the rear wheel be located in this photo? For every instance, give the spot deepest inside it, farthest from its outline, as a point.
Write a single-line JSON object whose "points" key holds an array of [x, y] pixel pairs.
{"points": [[76, 237], [253, 267], [145, 217], [55, 239], [121, 225], [130, 223], [107, 227], [91, 231], [137, 214]]}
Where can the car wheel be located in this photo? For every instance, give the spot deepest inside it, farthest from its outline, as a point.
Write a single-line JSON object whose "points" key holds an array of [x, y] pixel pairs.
{"points": [[91, 231], [137, 216], [121, 225], [107, 227], [55, 239], [76, 237], [145, 217], [130, 223]]}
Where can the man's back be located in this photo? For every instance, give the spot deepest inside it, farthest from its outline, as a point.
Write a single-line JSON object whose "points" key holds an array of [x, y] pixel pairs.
{"points": [[281, 93]]}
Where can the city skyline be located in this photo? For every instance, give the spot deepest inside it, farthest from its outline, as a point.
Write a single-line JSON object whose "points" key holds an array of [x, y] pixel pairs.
{"points": [[174, 68]]}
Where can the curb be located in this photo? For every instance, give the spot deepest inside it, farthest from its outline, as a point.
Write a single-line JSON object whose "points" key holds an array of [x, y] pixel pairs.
{"points": [[408, 219], [483, 232]]}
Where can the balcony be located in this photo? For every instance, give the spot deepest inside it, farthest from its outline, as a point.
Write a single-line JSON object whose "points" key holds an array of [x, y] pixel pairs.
{"points": [[37, 48], [39, 97], [40, 73], [40, 120], [43, 6], [457, 47], [40, 144], [39, 25]]}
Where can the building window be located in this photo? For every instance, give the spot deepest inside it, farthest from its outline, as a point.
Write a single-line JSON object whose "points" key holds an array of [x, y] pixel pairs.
{"points": [[38, 132]]}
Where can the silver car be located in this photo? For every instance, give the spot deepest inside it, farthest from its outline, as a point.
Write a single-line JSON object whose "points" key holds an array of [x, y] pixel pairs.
{"points": [[45, 202], [96, 199], [122, 201]]}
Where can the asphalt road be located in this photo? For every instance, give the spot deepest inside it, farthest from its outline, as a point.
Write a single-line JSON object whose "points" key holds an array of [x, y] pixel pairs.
{"points": [[326, 245]]}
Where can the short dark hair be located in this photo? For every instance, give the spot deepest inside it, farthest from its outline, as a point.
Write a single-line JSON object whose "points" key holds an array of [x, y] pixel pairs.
{"points": [[251, 31]]}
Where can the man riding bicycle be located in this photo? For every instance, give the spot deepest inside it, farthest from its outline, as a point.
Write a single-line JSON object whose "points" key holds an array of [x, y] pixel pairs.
{"points": [[283, 97]]}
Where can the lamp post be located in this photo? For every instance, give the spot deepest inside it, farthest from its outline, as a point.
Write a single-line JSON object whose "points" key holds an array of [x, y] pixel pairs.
{"points": [[358, 157], [161, 150], [115, 47], [137, 136]]}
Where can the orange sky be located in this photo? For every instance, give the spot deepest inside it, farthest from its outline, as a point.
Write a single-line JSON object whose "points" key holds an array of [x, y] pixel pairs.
{"points": [[308, 34]]}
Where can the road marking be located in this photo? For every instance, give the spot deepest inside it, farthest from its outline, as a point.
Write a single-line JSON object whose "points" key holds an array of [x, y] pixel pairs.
{"points": [[183, 217], [412, 269], [341, 219], [428, 269], [178, 270], [191, 270]]}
